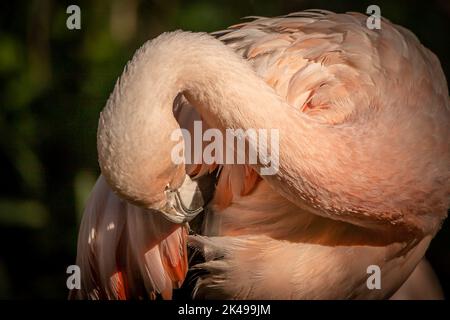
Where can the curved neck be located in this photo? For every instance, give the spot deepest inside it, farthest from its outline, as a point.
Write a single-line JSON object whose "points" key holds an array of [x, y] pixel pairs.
{"points": [[134, 130], [135, 127]]}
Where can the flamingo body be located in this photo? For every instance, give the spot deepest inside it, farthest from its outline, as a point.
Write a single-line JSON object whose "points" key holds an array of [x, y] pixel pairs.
{"points": [[364, 176]]}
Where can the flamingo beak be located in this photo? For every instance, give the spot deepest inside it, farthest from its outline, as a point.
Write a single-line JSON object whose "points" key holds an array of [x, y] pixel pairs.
{"points": [[185, 203]]}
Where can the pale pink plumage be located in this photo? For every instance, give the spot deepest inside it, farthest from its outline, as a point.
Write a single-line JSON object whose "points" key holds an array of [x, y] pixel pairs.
{"points": [[364, 162]]}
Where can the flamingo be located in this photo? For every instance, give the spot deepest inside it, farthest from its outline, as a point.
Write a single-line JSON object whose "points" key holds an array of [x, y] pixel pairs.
{"points": [[363, 177]]}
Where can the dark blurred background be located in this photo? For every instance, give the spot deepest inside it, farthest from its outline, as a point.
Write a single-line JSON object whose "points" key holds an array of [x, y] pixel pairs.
{"points": [[55, 81]]}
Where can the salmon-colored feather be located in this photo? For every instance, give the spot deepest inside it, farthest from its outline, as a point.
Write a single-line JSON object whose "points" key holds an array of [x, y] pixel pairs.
{"points": [[125, 251]]}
